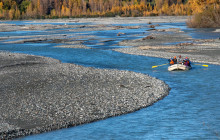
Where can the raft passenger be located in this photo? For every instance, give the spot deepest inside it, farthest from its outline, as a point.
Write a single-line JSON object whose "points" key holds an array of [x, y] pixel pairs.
{"points": [[175, 60], [171, 61], [187, 62], [180, 61]]}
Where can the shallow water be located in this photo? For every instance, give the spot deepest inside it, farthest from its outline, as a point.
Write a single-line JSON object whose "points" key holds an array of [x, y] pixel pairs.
{"points": [[190, 111]]}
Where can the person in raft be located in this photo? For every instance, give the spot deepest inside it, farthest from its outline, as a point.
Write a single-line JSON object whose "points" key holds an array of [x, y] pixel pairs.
{"points": [[180, 60], [172, 60], [175, 60], [187, 62]]}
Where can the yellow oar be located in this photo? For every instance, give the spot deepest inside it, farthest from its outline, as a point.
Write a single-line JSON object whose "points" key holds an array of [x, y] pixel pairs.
{"points": [[202, 65], [158, 65], [205, 65]]}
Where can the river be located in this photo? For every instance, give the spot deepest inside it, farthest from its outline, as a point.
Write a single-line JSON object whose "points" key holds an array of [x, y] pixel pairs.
{"points": [[190, 111]]}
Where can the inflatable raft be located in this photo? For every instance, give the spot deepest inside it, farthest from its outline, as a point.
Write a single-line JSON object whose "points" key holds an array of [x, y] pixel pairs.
{"points": [[178, 67]]}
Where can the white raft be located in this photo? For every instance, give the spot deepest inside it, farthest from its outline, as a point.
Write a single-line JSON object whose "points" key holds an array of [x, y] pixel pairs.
{"points": [[178, 67]]}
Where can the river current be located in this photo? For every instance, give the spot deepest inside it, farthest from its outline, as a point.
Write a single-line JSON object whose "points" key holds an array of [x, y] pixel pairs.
{"points": [[190, 111]]}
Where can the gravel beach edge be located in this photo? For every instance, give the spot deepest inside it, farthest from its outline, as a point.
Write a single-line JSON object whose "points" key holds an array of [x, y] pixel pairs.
{"points": [[40, 94]]}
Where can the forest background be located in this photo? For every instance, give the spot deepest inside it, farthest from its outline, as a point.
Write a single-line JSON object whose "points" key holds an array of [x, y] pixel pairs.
{"points": [[206, 12]]}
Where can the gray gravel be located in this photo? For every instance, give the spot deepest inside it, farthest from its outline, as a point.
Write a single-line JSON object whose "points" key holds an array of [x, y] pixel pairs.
{"points": [[160, 38], [81, 46], [118, 20], [41, 94], [174, 43]]}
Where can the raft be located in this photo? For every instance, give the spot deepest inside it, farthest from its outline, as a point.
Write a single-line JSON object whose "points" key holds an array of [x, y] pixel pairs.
{"points": [[178, 67]]}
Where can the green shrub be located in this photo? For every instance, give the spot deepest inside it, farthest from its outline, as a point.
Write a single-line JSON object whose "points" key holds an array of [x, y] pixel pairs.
{"points": [[54, 17], [109, 14]]}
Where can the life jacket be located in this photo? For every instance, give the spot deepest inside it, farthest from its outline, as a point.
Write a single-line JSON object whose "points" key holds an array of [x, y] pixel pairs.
{"points": [[171, 62], [188, 63]]}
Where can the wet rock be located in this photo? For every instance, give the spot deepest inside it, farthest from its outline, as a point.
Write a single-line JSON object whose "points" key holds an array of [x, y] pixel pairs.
{"points": [[169, 30], [148, 37], [81, 46], [119, 34], [132, 27], [30, 40], [107, 40], [83, 26], [118, 27], [153, 29], [152, 26], [161, 30], [185, 44]]}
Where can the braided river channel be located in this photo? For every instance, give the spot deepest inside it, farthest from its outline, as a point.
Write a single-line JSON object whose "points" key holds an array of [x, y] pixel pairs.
{"points": [[190, 111]]}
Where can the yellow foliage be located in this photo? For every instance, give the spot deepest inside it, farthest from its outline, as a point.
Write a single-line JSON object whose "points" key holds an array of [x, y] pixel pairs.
{"points": [[149, 7], [11, 13], [53, 13], [1, 6], [17, 13], [165, 8], [147, 13], [107, 8]]}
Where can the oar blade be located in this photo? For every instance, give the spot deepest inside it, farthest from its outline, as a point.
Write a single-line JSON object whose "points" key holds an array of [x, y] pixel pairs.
{"points": [[202, 65], [159, 65]]}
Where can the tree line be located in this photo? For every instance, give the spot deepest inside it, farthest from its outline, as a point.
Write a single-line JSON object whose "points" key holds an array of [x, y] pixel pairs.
{"points": [[32, 9]]}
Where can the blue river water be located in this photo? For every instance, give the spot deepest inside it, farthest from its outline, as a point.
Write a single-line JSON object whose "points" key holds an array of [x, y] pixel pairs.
{"points": [[190, 111]]}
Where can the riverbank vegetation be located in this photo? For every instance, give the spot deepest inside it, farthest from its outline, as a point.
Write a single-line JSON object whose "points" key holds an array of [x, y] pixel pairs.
{"points": [[207, 10], [206, 16]]}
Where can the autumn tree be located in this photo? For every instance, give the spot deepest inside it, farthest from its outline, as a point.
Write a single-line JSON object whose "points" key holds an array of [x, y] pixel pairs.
{"points": [[16, 9], [57, 7], [39, 8], [31, 12], [1, 10], [23, 6], [165, 8], [159, 3]]}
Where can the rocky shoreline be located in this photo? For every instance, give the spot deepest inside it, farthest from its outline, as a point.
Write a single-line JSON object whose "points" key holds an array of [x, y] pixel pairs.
{"points": [[40, 94]]}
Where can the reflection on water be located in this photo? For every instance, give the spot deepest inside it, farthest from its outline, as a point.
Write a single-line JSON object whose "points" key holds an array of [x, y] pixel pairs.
{"points": [[190, 111]]}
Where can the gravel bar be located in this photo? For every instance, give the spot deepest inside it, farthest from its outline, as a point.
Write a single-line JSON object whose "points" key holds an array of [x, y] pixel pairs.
{"points": [[175, 43], [40, 94]]}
